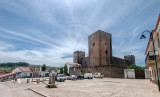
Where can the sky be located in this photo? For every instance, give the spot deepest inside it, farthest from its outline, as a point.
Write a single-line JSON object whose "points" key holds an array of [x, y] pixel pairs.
{"points": [[49, 31]]}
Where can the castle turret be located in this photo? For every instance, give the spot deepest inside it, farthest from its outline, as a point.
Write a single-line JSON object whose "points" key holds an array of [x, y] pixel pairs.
{"points": [[130, 58], [79, 57]]}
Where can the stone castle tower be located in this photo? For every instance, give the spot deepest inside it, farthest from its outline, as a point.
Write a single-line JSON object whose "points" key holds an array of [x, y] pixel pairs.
{"points": [[78, 57], [130, 58], [100, 52], [100, 48]]}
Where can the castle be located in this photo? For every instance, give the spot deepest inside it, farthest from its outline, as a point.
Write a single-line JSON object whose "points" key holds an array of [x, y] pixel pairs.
{"points": [[100, 58], [100, 52]]}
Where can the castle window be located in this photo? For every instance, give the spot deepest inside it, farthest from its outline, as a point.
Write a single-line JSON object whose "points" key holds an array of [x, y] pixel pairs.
{"points": [[93, 44], [106, 51]]}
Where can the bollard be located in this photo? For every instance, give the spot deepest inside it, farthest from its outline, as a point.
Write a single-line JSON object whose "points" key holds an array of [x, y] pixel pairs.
{"points": [[37, 81], [28, 80]]}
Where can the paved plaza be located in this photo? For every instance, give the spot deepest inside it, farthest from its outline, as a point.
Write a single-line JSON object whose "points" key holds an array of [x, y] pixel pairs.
{"points": [[106, 87]]}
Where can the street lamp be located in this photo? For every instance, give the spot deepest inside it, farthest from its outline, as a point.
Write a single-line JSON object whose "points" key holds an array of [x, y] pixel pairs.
{"points": [[151, 37]]}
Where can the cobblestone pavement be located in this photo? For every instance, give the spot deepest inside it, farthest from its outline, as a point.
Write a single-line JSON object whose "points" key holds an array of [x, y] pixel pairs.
{"points": [[106, 87]]}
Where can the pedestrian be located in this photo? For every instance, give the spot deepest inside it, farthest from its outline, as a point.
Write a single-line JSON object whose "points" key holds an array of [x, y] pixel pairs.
{"points": [[15, 80]]}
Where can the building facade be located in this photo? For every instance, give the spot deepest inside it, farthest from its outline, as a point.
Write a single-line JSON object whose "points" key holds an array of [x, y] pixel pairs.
{"points": [[150, 56], [22, 72]]}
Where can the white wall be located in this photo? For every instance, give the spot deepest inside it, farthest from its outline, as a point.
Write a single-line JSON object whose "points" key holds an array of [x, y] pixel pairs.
{"points": [[20, 73], [41, 73], [129, 73], [146, 72], [23, 74], [17, 70], [69, 66], [150, 70]]}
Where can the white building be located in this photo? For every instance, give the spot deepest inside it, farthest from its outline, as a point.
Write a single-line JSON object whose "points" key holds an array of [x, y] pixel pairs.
{"points": [[150, 55], [69, 65], [22, 72]]}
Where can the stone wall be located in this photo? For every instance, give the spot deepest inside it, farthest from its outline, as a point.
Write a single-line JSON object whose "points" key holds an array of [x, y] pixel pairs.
{"points": [[120, 62], [85, 62], [100, 48], [76, 72], [108, 71]]}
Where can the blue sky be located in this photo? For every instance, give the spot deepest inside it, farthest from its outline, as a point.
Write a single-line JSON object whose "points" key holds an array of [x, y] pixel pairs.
{"points": [[49, 31]]}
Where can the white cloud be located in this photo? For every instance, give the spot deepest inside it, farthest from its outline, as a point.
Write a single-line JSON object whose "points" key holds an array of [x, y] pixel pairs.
{"points": [[44, 56], [62, 27]]}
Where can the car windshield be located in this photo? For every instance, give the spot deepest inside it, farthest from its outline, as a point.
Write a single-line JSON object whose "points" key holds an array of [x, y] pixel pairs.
{"points": [[60, 75]]}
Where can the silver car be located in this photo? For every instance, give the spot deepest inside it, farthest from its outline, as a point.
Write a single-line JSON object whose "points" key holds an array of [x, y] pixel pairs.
{"points": [[61, 78], [72, 77]]}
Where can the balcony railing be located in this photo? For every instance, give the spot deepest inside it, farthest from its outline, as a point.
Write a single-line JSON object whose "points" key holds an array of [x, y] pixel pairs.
{"points": [[150, 58]]}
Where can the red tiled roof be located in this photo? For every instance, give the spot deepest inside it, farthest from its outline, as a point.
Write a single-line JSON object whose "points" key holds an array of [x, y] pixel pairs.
{"points": [[152, 33], [73, 63], [157, 22], [149, 42], [25, 69], [5, 75]]}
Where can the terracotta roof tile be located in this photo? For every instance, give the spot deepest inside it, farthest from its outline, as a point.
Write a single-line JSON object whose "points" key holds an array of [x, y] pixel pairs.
{"points": [[25, 69], [8, 74]]}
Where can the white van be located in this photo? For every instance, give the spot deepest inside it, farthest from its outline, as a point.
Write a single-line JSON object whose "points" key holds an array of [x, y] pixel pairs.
{"points": [[88, 75], [98, 75]]}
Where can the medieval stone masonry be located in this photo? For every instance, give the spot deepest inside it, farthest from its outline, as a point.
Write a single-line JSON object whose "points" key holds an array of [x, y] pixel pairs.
{"points": [[100, 56], [79, 57], [100, 48]]}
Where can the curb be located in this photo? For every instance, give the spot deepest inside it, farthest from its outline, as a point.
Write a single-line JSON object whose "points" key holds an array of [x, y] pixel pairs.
{"points": [[37, 92]]}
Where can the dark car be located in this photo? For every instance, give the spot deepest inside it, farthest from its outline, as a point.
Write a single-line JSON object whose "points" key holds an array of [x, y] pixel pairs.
{"points": [[80, 77]]}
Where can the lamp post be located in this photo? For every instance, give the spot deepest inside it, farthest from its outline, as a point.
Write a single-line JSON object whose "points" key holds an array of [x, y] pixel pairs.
{"points": [[151, 37]]}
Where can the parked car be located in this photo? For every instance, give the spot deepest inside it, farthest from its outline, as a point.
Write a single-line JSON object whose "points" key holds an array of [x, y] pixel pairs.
{"points": [[80, 77], [88, 75], [98, 75], [61, 77], [72, 77]]}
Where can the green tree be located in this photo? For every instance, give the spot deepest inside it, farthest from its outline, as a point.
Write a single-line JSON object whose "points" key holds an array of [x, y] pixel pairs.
{"points": [[61, 70], [14, 65], [136, 67], [43, 69], [83, 71], [49, 70], [65, 69]]}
